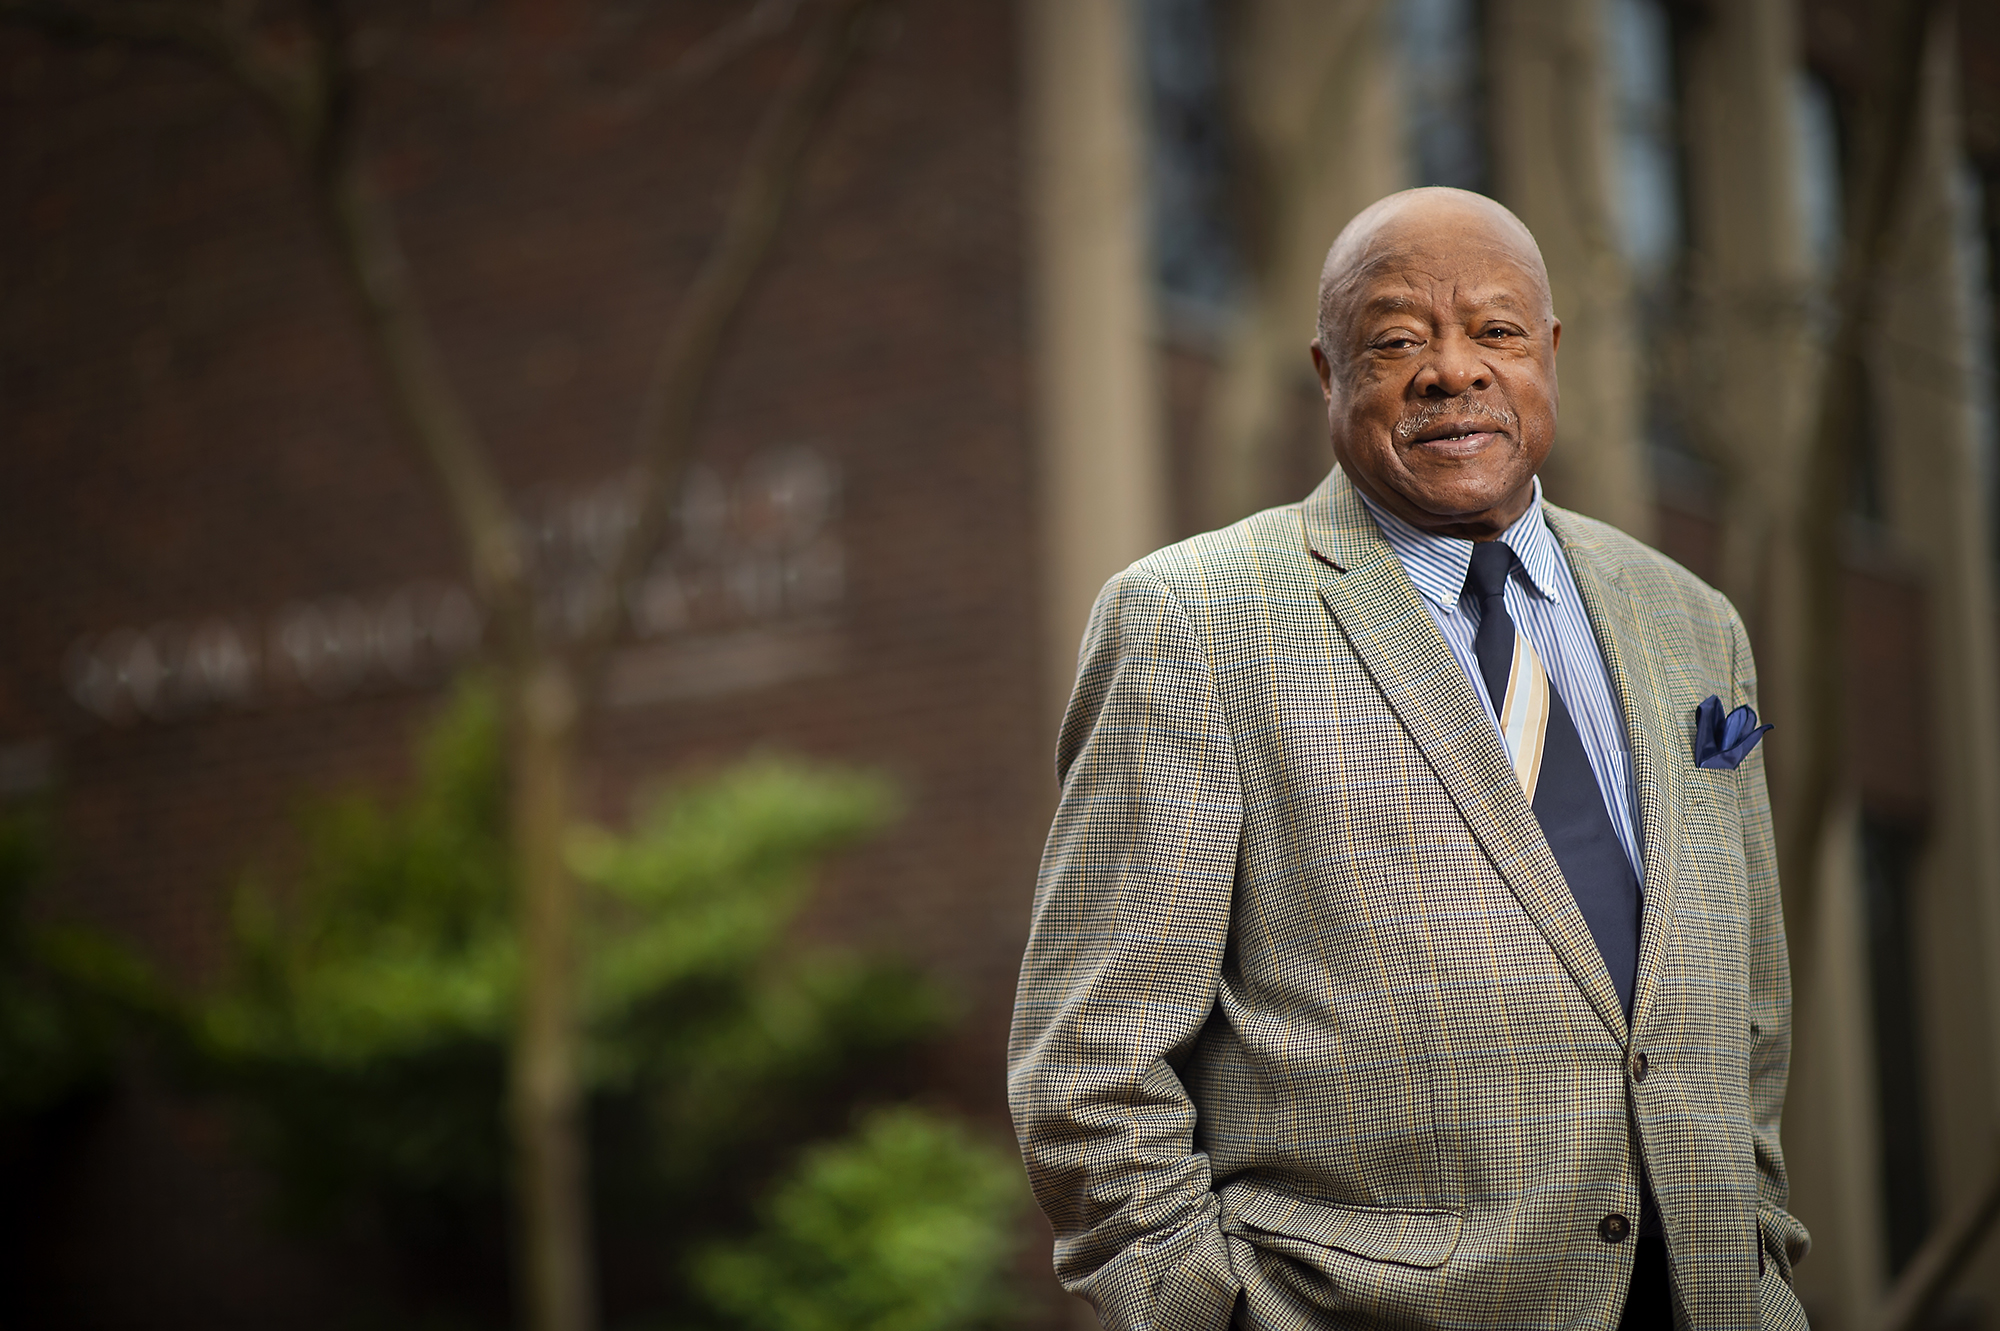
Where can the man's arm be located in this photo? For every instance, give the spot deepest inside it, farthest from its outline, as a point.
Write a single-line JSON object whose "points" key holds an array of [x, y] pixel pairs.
{"points": [[1785, 1240], [1131, 918]]}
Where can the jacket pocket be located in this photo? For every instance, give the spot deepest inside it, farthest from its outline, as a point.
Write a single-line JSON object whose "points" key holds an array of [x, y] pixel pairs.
{"points": [[1418, 1238]]}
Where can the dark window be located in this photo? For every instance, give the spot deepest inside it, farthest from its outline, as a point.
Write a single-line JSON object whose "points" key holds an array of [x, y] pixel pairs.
{"points": [[1888, 857], [1819, 184], [1648, 204], [1979, 240], [1195, 255], [1864, 457], [1646, 171], [1444, 92]]}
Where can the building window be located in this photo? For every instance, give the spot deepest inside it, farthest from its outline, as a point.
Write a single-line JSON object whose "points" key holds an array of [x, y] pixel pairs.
{"points": [[1444, 93], [1821, 193], [1648, 206], [1976, 201], [1196, 260], [1818, 183], [1647, 178]]}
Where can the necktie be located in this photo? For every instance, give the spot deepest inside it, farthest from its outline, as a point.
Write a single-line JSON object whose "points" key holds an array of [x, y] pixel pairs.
{"points": [[1554, 772]]}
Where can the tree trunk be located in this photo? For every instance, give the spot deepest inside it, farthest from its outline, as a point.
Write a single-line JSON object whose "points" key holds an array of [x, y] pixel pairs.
{"points": [[546, 1098]]}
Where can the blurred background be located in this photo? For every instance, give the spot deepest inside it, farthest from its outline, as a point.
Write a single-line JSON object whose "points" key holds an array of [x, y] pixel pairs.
{"points": [[331, 337]]}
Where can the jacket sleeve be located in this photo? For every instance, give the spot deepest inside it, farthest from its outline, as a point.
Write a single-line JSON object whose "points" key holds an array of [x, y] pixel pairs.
{"points": [[1131, 918], [1784, 1239]]}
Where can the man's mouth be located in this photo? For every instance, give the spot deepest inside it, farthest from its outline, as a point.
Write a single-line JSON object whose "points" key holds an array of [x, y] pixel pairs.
{"points": [[1453, 429], [1455, 438]]}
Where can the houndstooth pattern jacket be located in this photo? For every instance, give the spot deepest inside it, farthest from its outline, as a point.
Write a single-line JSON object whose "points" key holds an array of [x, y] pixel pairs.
{"points": [[1310, 1031]]}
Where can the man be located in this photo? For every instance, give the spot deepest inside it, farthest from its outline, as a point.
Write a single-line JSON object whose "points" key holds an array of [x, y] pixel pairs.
{"points": [[1394, 963]]}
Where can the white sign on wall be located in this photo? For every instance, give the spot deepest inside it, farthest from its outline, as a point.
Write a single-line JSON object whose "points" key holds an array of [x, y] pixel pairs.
{"points": [[753, 553]]}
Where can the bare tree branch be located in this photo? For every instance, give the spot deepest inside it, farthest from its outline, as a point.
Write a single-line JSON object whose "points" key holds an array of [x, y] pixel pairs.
{"points": [[681, 373], [313, 101], [754, 25], [405, 354], [765, 19], [281, 88], [618, 30], [399, 339]]}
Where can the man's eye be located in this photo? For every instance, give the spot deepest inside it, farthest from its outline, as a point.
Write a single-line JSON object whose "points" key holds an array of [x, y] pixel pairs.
{"points": [[1500, 332], [1396, 343]]}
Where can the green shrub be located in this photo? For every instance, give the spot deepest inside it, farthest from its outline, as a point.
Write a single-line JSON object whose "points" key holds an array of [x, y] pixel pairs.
{"points": [[68, 994], [396, 936], [908, 1225], [365, 1018], [366, 1023]]}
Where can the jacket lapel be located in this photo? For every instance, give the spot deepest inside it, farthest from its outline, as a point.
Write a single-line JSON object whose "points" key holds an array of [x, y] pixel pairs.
{"points": [[1659, 770], [1383, 616]]}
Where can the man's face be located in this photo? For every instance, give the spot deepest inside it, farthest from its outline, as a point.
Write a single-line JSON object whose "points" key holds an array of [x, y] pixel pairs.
{"points": [[1441, 388]]}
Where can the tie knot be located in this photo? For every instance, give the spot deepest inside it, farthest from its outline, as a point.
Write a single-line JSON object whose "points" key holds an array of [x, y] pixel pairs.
{"points": [[1491, 562]]}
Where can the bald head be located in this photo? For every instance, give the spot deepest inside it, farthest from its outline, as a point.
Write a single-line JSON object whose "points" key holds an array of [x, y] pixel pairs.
{"points": [[1397, 230]]}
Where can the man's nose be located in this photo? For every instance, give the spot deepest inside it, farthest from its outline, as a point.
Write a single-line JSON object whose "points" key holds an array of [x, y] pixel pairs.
{"points": [[1453, 367]]}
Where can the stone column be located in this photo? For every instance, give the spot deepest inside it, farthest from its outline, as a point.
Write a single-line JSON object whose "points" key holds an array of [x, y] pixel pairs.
{"points": [[1747, 378], [1832, 1122], [1551, 128], [1103, 476]]}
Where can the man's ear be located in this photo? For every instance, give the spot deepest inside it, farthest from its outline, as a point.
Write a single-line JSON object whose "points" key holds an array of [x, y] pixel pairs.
{"points": [[1555, 335], [1325, 369]]}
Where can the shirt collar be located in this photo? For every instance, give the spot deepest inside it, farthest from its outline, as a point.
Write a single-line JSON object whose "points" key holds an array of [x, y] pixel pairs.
{"points": [[1438, 564]]}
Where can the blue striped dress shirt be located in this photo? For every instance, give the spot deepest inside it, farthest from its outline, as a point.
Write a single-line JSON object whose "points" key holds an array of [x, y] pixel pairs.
{"points": [[1547, 607]]}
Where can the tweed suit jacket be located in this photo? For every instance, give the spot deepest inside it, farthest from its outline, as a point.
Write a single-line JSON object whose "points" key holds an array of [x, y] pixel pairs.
{"points": [[1310, 1030]]}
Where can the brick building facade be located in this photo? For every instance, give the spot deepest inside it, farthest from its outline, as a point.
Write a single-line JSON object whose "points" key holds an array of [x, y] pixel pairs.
{"points": [[956, 402]]}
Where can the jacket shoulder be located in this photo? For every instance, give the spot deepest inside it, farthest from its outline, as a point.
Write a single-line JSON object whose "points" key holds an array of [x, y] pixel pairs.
{"points": [[1264, 553], [1651, 574]]}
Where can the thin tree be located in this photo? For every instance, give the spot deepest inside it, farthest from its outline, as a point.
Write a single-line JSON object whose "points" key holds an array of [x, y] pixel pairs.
{"points": [[303, 75]]}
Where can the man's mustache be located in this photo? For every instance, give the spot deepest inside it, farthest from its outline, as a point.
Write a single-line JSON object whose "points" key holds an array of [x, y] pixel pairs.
{"points": [[1461, 408]]}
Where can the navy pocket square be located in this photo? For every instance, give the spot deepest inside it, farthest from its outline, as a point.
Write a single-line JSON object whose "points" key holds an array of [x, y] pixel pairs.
{"points": [[1721, 742]]}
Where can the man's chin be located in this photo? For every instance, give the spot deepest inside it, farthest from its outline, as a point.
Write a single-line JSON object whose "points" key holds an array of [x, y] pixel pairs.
{"points": [[1480, 506]]}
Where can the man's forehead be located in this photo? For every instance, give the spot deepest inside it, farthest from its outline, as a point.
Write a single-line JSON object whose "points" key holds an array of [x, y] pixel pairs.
{"points": [[1411, 293], [1425, 245]]}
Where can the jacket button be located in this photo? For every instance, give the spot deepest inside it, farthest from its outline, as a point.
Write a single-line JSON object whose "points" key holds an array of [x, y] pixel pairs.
{"points": [[1613, 1228], [1639, 1066]]}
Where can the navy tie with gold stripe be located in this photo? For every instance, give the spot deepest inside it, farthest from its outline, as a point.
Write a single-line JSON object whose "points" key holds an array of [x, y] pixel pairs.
{"points": [[1554, 771]]}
